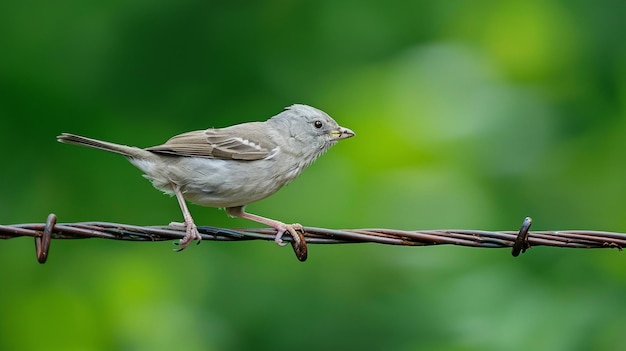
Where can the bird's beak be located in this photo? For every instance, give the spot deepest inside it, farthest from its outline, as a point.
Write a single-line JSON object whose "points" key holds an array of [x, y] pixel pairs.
{"points": [[341, 133]]}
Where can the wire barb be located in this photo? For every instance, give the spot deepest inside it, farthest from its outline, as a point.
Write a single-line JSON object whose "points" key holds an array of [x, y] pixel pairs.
{"points": [[519, 241], [42, 243]]}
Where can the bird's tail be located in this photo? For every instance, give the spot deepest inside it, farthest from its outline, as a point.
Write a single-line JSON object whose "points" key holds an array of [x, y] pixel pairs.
{"points": [[128, 151]]}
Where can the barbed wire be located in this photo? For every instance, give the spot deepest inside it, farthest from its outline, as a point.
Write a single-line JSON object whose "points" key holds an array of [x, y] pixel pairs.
{"points": [[519, 241]]}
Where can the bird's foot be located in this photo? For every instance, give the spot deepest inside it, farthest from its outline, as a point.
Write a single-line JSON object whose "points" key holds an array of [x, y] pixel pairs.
{"points": [[295, 230], [298, 243], [191, 234]]}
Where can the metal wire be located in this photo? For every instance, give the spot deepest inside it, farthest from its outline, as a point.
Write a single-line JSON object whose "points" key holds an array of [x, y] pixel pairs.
{"points": [[519, 241]]}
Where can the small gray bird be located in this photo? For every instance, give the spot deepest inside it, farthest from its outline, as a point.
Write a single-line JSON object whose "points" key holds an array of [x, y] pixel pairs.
{"points": [[233, 166]]}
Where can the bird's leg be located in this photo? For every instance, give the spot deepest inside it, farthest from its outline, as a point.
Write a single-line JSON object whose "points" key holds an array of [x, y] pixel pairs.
{"points": [[279, 226], [191, 231]]}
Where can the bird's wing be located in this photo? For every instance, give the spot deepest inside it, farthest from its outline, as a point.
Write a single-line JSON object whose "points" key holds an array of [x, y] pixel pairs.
{"points": [[248, 142]]}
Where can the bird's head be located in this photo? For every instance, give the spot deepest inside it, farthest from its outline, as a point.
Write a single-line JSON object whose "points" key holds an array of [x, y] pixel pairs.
{"points": [[310, 128]]}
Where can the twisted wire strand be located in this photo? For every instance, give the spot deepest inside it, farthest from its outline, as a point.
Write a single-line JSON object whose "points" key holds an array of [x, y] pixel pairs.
{"points": [[519, 241]]}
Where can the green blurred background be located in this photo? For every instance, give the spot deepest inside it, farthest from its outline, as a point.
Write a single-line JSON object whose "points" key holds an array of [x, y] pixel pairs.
{"points": [[468, 115]]}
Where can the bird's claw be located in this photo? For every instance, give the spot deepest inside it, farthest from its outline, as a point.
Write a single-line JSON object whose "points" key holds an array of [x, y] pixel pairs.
{"points": [[191, 234], [280, 241]]}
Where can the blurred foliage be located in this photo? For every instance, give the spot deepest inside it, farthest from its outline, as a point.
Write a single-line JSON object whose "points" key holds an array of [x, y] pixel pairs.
{"points": [[467, 114]]}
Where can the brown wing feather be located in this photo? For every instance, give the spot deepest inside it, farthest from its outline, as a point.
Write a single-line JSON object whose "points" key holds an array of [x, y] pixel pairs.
{"points": [[247, 141]]}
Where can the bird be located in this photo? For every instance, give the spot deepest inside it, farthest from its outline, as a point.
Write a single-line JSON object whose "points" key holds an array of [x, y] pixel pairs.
{"points": [[234, 166]]}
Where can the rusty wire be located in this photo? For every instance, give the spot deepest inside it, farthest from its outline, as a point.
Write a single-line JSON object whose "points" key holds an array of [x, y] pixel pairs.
{"points": [[519, 241]]}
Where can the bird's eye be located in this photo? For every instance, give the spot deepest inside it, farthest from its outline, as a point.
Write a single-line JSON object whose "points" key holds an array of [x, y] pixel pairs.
{"points": [[318, 124]]}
